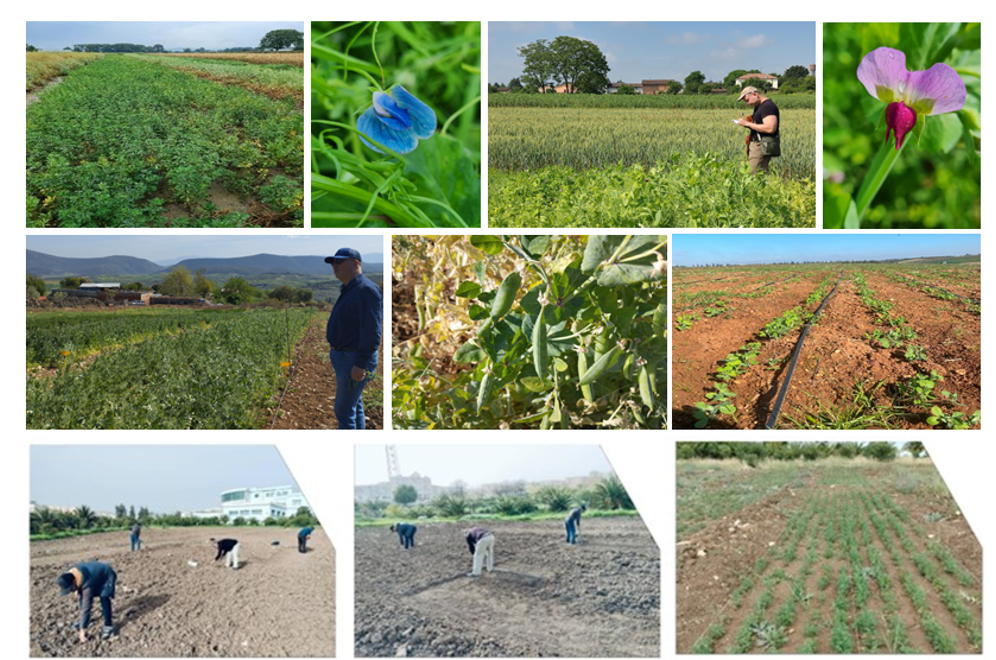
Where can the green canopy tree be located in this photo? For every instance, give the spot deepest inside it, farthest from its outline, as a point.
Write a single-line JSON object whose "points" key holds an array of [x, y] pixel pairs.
{"points": [[538, 68], [236, 291], [693, 82], [178, 283], [576, 61], [405, 494], [36, 283], [282, 39]]}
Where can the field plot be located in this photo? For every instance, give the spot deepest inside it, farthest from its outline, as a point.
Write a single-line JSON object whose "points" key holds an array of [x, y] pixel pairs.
{"points": [[600, 598], [825, 556], [894, 346], [648, 162], [158, 368], [278, 603], [132, 141]]}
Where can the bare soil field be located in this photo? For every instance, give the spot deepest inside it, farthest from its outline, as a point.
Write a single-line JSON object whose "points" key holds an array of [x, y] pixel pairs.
{"points": [[846, 376], [278, 603], [599, 598], [824, 557]]}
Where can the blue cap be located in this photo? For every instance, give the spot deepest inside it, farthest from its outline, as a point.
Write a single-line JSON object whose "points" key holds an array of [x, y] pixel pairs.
{"points": [[345, 253]]}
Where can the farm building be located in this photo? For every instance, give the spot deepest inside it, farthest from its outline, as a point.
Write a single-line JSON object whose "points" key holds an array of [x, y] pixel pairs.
{"points": [[655, 86], [759, 76], [384, 491], [614, 87]]}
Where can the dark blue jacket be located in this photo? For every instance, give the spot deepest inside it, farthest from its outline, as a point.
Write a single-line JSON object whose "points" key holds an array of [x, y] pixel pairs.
{"points": [[98, 582], [356, 320], [305, 532], [574, 517], [405, 529]]}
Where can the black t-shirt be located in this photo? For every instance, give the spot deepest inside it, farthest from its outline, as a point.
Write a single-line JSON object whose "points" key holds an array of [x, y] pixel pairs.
{"points": [[766, 109]]}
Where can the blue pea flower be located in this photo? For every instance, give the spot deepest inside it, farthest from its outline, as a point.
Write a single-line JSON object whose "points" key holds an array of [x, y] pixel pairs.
{"points": [[397, 120]]}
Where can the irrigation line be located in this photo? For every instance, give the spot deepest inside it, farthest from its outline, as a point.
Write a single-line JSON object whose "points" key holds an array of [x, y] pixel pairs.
{"points": [[718, 279], [974, 301], [776, 410], [772, 283]]}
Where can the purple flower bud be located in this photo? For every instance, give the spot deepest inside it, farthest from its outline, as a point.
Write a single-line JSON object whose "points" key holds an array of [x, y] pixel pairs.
{"points": [[901, 119]]}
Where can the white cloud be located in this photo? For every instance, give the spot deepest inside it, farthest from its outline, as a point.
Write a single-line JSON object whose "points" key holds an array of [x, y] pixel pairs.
{"points": [[688, 39], [756, 41]]}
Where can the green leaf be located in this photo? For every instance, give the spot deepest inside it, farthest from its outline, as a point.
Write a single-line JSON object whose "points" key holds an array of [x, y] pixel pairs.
{"points": [[444, 172], [478, 313], [632, 260], [487, 244], [942, 133], [468, 290], [534, 246], [535, 384], [839, 211]]}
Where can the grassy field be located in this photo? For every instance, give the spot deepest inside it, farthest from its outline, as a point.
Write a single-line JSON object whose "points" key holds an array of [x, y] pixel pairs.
{"points": [[131, 142], [654, 162]]}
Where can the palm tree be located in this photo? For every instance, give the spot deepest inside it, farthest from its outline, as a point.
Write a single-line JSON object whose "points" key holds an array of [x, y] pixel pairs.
{"points": [[85, 517], [613, 494]]}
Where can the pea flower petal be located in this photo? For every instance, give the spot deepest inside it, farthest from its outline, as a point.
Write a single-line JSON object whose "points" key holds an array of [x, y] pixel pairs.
{"points": [[935, 91], [397, 120]]}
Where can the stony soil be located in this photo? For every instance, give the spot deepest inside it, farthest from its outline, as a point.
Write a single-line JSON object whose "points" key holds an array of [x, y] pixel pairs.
{"points": [[278, 603], [600, 598]]}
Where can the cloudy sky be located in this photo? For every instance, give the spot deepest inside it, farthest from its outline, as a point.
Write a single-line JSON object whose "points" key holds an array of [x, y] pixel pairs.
{"points": [[163, 478], [162, 247], [669, 51], [702, 249], [482, 464], [53, 35]]}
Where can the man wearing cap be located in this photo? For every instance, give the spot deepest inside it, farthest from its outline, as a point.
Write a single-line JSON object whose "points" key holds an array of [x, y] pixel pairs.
{"points": [[406, 533], [482, 546], [765, 124], [353, 333], [302, 538], [573, 523], [92, 579]]}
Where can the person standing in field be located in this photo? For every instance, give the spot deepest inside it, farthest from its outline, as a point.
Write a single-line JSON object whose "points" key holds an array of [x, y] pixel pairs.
{"points": [[302, 538], [765, 139], [229, 549], [92, 579], [573, 523], [406, 534], [482, 546], [136, 533], [353, 334]]}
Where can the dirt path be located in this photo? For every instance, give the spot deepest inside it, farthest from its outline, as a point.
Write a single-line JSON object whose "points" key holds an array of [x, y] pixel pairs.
{"points": [[279, 602], [599, 598], [34, 95], [309, 402]]}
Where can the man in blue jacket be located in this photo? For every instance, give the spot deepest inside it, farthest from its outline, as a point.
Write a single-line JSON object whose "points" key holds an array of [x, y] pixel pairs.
{"points": [[302, 538], [92, 579], [353, 333], [406, 534]]}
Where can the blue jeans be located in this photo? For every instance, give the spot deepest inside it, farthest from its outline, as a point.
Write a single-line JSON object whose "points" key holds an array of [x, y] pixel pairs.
{"points": [[409, 539], [348, 403], [136, 543], [572, 534]]}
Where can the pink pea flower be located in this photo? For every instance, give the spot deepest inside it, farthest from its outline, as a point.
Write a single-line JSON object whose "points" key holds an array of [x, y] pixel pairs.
{"points": [[935, 91]]}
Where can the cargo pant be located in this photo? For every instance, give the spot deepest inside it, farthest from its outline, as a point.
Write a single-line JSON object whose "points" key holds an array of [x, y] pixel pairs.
{"points": [[756, 160]]}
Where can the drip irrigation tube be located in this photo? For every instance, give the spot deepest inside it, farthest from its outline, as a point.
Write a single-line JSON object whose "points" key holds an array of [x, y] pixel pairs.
{"points": [[717, 279], [974, 301], [777, 409], [772, 283]]}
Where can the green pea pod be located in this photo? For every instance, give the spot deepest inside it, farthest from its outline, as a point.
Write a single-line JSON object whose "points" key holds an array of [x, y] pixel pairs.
{"points": [[484, 391], [601, 365], [583, 367], [539, 345], [629, 366], [646, 391], [506, 295]]}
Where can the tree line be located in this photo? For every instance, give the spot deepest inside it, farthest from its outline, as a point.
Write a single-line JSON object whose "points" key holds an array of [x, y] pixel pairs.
{"points": [[581, 67], [286, 39], [513, 499], [753, 453], [51, 523]]}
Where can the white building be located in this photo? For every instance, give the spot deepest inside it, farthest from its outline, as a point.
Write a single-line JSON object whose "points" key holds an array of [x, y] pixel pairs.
{"points": [[257, 503], [384, 491]]}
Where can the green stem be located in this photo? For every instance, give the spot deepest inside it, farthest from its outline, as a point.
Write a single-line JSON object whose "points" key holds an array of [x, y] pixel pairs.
{"points": [[877, 174]]}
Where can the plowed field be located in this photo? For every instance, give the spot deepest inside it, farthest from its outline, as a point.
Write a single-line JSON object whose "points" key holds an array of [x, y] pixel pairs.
{"points": [[599, 598], [278, 603]]}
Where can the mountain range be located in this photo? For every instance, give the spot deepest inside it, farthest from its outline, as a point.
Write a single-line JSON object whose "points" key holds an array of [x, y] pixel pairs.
{"points": [[49, 266]]}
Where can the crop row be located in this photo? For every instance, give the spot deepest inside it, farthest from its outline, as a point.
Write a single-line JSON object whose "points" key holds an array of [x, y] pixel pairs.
{"points": [[657, 101], [530, 138], [54, 339], [921, 389], [42, 66], [217, 378], [126, 142], [864, 610], [687, 190], [270, 77]]}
